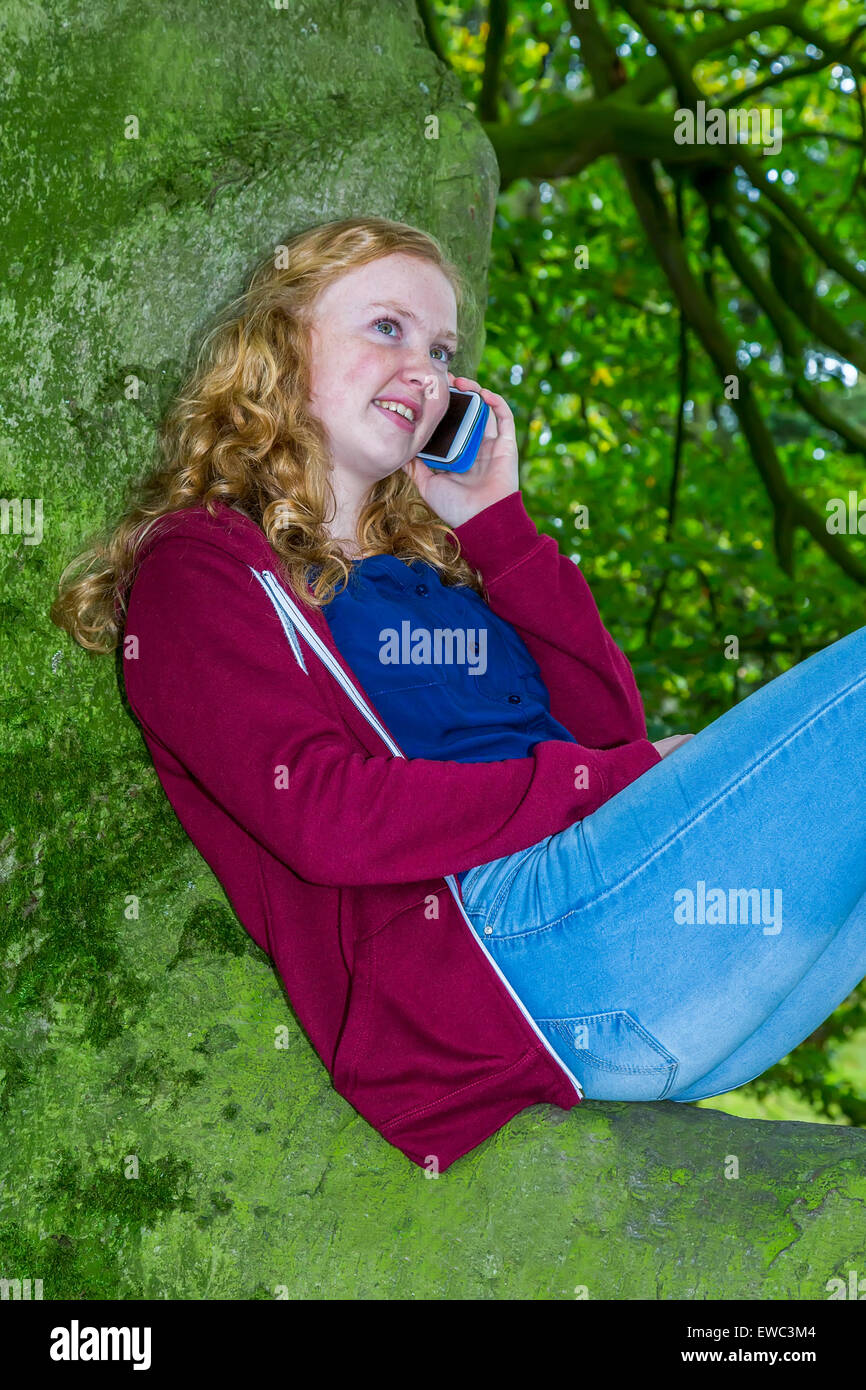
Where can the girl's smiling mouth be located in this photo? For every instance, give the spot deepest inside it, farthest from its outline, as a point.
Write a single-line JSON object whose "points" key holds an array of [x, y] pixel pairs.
{"points": [[395, 408]]}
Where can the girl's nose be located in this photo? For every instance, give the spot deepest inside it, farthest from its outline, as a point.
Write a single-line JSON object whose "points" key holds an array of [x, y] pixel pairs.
{"points": [[419, 372]]}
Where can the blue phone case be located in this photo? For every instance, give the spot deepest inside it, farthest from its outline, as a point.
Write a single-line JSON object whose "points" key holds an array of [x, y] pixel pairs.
{"points": [[467, 455]]}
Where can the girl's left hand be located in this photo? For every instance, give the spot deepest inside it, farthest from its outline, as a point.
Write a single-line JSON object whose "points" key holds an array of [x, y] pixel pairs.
{"points": [[457, 497], [666, 746]]}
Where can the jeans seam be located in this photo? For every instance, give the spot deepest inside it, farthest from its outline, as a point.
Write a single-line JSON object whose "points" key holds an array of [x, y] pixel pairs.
{"points": [[704, 810], [665, 1058], [496, 906], [667, 1064]]}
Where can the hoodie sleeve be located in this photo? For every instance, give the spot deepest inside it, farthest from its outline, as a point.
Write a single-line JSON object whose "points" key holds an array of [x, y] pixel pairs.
{"points": [[211, 677], [547, 600]]}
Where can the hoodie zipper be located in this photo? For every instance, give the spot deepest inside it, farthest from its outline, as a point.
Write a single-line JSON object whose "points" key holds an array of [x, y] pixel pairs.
{"points": [[289, 612]]}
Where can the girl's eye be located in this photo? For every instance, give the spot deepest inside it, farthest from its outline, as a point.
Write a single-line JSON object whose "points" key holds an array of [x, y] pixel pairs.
{"points": [[449, 354]]}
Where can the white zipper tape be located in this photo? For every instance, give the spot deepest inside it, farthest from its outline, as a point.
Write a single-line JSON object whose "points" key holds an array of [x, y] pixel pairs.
{"points": [[293, 620]]}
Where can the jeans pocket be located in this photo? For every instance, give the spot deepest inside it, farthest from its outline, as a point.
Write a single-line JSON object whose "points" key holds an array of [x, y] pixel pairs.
{"points": [[612, 1055], [485, 888]]}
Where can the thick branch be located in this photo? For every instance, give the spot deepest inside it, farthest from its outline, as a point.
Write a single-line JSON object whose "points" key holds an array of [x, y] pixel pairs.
{"points": [[497, 17], [425, 13], [597, 53], [574, 134]]}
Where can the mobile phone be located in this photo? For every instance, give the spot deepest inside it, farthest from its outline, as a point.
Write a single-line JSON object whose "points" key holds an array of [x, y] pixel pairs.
{"points": [[454, 444]]}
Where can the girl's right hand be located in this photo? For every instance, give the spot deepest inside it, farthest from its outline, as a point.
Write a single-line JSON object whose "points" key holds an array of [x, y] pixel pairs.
{"points": [[458, 497], [667, 745]]}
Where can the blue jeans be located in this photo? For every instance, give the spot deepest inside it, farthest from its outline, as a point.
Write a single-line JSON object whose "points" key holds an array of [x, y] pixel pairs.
{"points": [[704, 921]]}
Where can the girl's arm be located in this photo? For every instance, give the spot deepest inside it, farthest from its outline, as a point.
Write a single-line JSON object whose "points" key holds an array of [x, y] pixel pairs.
{"points": [[547, 599], [215, 683], [539, 591]]}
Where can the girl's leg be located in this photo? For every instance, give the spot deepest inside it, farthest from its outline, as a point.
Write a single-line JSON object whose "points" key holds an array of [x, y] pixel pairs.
{"points": [[672, 930], [837, 971]]}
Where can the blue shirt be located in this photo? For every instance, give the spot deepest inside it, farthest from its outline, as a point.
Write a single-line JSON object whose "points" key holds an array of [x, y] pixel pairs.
{"points": [[450, 679]]}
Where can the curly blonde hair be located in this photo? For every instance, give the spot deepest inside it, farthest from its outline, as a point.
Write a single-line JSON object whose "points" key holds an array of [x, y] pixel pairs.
{"points": [[240, 431]]}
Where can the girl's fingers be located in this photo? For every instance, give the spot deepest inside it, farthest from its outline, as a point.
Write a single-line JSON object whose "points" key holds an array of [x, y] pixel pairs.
{"points": [[464, 382], [499, 407]]}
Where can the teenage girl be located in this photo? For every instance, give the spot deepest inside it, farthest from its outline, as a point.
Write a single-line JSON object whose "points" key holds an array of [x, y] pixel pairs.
{"points": [[701, 922]]}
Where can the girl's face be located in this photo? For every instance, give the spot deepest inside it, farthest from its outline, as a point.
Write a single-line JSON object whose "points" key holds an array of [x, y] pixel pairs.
{"points": [[385, 331]]}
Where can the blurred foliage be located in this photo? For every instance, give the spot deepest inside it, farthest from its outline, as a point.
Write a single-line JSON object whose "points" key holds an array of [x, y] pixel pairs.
{"points": [[603, 370]]}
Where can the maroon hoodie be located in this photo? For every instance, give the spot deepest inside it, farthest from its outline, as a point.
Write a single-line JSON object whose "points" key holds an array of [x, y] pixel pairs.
{"points": [[337, 853]]}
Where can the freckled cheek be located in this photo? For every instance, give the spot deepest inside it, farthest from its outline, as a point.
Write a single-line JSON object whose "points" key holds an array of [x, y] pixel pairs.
{"points": [[372, 362], [340, 357], [366, 373], [326, 372]]}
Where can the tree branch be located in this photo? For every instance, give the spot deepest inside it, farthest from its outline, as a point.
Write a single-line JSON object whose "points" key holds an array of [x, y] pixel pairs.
{"points": [[497, 17], [572, 135], [673, 491], [820, 244], [690, 94], [655, 76], [810, 133], [858, 177], [786, 273], [425, 14], [785, 327], [789, 510], [776, 79], [840, 51], [665, 43], [691, 9]]}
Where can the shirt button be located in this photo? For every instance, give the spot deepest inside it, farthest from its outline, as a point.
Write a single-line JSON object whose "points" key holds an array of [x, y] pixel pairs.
{"points": [[421, 589], [488, 931], [514, 699]]}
